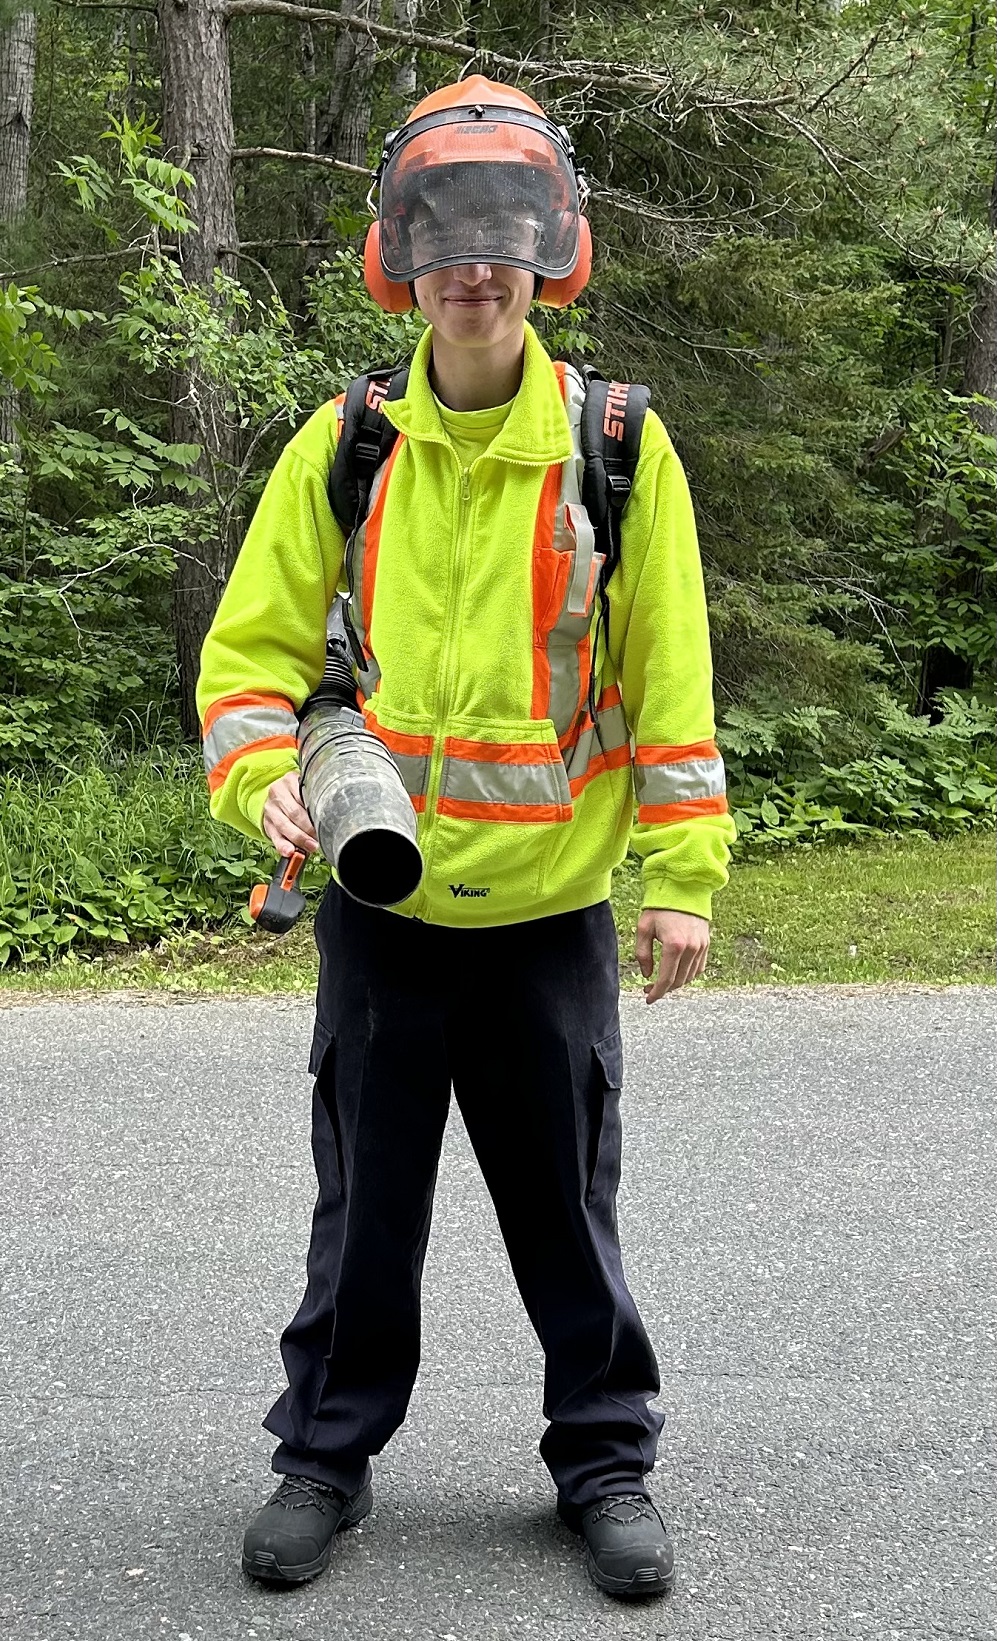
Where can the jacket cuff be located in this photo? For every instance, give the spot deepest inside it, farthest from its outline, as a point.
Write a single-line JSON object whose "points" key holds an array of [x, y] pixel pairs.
{"points": [[253, 801], [670, 895]]}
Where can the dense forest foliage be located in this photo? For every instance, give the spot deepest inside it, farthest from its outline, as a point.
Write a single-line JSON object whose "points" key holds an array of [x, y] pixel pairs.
{"points": [[793, 208]]}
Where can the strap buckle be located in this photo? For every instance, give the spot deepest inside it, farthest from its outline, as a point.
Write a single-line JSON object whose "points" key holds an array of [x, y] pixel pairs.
{"points": [[367, 450]]}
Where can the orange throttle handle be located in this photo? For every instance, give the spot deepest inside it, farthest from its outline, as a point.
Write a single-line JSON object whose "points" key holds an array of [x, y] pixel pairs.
{"points": [[277, 905]]}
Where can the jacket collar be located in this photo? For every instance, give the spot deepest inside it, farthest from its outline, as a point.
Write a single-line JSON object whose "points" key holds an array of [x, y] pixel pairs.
{"points": [[536, 429]]}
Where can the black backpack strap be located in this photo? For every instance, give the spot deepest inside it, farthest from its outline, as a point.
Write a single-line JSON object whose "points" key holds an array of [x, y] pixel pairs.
{"points": [[365, 441], [612, 424]]}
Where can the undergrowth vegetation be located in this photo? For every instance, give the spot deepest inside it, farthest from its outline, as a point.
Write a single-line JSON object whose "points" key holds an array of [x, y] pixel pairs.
{"points": [[119, 849]]}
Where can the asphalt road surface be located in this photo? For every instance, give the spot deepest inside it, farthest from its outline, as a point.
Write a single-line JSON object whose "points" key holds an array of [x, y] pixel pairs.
{"points": [[808, 1216]]}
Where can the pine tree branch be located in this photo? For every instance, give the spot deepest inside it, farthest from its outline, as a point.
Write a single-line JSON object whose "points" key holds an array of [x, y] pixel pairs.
{"points": [[610, 76], [302, 154]]}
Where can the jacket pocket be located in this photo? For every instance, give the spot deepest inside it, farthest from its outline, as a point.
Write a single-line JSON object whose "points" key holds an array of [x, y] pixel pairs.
{"points": [[503, 799], [410, 743], [605, 1125]]}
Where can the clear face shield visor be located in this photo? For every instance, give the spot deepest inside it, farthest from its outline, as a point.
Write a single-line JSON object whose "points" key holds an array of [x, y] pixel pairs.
{"points": [[485, 190]]}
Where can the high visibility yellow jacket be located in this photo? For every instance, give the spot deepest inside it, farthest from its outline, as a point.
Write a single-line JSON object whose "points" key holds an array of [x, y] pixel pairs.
{"points": [[473, 598]]}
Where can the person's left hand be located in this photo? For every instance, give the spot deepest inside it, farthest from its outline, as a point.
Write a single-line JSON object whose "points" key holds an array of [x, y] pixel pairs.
{"points": [[684, 940]]}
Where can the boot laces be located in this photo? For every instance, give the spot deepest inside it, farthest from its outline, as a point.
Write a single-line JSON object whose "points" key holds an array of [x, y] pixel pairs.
{"points": [[625, 1508], [312, 1492]]}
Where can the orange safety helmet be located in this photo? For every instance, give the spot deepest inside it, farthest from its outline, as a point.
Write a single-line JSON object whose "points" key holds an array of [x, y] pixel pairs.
{"points": [[478, 174]]}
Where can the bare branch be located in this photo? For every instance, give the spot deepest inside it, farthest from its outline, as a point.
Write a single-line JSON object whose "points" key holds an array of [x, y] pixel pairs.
{"points": [[301, 155], [239, 251], [282, 244], [103, 5], [65, 261]]}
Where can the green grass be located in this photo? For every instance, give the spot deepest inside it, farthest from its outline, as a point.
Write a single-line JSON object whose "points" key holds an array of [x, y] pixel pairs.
{"points": [[915, 910]]}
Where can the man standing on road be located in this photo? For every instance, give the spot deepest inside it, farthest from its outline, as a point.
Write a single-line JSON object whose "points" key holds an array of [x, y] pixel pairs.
{"points": [[524, 696]]}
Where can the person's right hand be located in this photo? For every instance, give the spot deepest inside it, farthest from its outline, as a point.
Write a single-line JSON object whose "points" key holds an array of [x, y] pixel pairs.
{"points": [[285, 819]]}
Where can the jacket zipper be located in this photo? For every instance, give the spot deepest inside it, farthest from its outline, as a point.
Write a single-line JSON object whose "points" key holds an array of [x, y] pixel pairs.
{"points": [[447, 668], [449, 639]]}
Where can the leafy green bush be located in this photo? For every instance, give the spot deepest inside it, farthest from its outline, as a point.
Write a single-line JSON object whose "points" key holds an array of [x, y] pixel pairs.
{"points": [[790, 784], [119, 848], [118, 851]]}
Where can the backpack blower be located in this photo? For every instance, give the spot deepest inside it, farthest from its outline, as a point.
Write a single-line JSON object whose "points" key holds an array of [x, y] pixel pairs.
{"points": [[350, 785]]}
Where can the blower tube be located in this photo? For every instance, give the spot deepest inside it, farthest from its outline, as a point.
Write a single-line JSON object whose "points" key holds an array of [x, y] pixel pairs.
{"points": [[361, 812]]}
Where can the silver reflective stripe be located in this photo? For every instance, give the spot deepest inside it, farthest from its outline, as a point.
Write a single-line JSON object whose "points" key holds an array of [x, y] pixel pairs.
{"points": [[368, 681], [242, 726], [577, 602], [413, 771], [658, 784], [574, 467], [614, 732], [468, 782], [573, 533]]}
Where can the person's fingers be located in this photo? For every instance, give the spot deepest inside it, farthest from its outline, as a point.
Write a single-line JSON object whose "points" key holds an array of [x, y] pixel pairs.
{"points": [[287, 838], [285, 820], [645, 947], [296, 815], [666, 972], [686, 967]]}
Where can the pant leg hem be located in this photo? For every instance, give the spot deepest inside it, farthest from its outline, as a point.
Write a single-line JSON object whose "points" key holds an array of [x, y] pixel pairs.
{"points": [[346, 1479]]}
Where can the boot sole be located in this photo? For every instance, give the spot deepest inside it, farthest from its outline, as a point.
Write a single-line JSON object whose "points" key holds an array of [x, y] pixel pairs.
{"points": [[265, 1567], [646, 1581]]}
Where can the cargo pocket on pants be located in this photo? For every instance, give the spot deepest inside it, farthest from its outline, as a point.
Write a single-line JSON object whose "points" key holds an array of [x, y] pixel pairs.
{"points": [[327, 1139], [605, 1123]]}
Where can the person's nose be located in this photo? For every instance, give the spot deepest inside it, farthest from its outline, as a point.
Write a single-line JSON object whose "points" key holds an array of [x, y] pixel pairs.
{"points": [[473, 273]]}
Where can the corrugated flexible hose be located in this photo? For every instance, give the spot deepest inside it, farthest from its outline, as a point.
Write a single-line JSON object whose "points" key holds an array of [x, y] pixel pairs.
{"points": [[362, 815]]}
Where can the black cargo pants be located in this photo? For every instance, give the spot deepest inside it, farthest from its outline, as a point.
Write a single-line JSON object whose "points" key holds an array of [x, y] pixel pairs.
{"points": [[522, 1020]]}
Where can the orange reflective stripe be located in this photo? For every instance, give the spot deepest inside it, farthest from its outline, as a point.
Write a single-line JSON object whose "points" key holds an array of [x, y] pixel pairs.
{"points": [[397, 740], [609, 698], [249, 698], [273, 743], [537, 813], [410, 754], [665, 814], [500, 752], [372, 543], [616, 758], [676, 754], [543, 603]]}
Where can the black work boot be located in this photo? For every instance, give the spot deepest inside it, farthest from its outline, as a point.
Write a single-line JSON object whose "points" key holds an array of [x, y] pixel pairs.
{"points": [[629, 1552], [290, 1539]]}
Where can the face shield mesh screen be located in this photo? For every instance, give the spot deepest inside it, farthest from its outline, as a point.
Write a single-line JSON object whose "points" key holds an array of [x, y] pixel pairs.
{"points": [[519, 212]]}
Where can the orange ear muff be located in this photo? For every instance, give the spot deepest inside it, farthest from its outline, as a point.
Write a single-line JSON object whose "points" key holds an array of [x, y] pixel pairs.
{"points": [[557, 293], [387, 293]]}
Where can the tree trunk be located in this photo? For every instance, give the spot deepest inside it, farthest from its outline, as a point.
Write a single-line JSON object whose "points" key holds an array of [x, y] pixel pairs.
{"points": [[405, 14], [980, 373], [345, 126], [17, 83], [941, 668], [197, 123], [311, 111]]}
